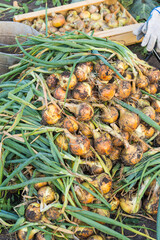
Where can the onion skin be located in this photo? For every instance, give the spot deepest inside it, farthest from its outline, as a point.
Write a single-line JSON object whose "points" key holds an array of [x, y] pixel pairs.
{"points": [[156, 105], [128, 121], [153, 75], [64, 80], [149, 132], [52, 213], [104, 72], [86, 130], [51, 115], [95, 237], [82, 91], [102, 182], [59, 93], [151, 204], [46, 194], [70, 124], [61, 142], [132, 154], [83, 70], [151, 88], [124, 89], [41, 236], [82, 195], [106, 91], [150, 112], [39, 185], [22, 233], [52, 81], [84, 232], [117, 142], [128, 204], [109, 114], [142, 81], [102, 212], [33, 213], [102, 144], [58, 20]]}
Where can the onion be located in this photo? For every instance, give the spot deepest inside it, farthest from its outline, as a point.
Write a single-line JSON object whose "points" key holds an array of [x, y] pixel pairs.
{"points": [[92, 9], [104, 72], [83, 70], [132, 154], [151, 88], [82, 195], [79, 25], [115, 154], [113, 23], [157, 119], [40, 184], [121, 66], [102, 212], [141, 131], [85, 15], [124, 89], [79, 145], [33, 213], [52, 30], [58, 20], [52, 213], [83, 111], [109, 114], [117, 142], [153, 75], [95, 167], [40, 24], [51, 115], [156, 105], [142, 81], [46, 194], [86, 130], [88, 155], [64, 80], [149, 132], [52, 81], [84, 232], [136, 95], [150, 112], [70, 124], [102, 182], [131, 203], [114, 203], [61, 142], [95, 237], [128, 121], [59, 93], [72, 16], [82, 91], [108, 16], [106, 91], [123, 20], [95, 16], [143, 103], [22, 233], [101, 143], [41, 236]]}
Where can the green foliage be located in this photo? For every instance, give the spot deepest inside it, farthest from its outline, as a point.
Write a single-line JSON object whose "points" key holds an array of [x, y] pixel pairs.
{"points": [[126, 3]]}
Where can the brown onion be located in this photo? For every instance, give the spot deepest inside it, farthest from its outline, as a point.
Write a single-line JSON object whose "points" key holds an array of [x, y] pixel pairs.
{"points": [[33, 213], [59, 93], [95, 237], [82, 91], [102, 182], [51, 115], [64, 80], [70, 124], [83, 70], [153, 75], [104, 72], [151, 88], [83, 195], [124, 89], [106, 91], [84, 232], [58, 20], [52, 81], [142, 81], [109, 114], [156, 105], [86, 130], [132, 154], [22, 233], [46, 194], [150, 112], [101, 143], [62, 142], [52, 213]]}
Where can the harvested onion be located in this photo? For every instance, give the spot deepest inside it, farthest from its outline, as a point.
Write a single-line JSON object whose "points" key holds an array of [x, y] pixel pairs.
{"points": [[33, 213], [46, 194], [101, 143], [64, 80], [51, 115]]}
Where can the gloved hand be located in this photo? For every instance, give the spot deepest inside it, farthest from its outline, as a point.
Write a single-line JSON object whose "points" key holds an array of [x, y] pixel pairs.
{"points": [[151, 31]]}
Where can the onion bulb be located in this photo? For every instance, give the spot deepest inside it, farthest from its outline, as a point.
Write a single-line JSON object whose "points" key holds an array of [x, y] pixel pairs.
{"points": [[95, 16], [46, 194], [117, 142], [22, 233], [84, 232], [85, 15], [52, 81], [52, 213], [70, 124], [51, 115], [102, 212], [83, 195], [150, 112], [33, 213], [142, 81], [95, 167], [128, 121], [40, 184], [156, 105], [83, 111], [95, 237], [109, 114], [61, 142], [151, 204], [82, 91], [102, 182], [102, 144], [86, 130], [132, 154], [59, 93], [104, 72], [151, 88], [124, 89], [58, 20], [64, 80], [106, 91], [153, 75], [79, 144], [113, 23], [92, 9], [83, 70]]}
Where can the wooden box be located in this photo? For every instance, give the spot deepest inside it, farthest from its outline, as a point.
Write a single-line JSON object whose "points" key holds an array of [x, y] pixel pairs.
{"points": [[123, 34]]}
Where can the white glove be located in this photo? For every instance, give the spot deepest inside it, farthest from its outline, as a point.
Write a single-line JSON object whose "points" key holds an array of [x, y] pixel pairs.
{"points": [[151, 31]]}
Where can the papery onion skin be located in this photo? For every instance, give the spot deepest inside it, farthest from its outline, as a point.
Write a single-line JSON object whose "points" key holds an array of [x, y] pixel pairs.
{"points": [[142, 81], [59, 93], [82, 91], [62, 142], [52, 213], [41, 236], [128, 121], [58, 20], [83, 70], [33, 213], [85, 112], [46, 194], [80, 145], [83, 195], [70, 124], [102, 182], [151, 88], [52, 81], [104, 72], [109, 115], [132, 154], [84, 232], [124, 89], [106, 92], [51, 115], [150, 112], [156, 105], [128, 204], [64, 80]]}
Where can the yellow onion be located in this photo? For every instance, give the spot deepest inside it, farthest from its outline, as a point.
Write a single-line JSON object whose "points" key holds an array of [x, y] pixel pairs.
{"points": [[85, 15], [52, 81], [117, 142], [83, 111], [143, 103], [72, 16], [64, 80], [136, 95], [150, 112], [149, 132], [52, 213], [108, 16], [78, 144], [51, 115], [83, 195], [158, 139], [104, 72], [131, 203], [132, 154], [92, 9], [95, 237], [106, 91], [151, 204], [41, 236], [102, 212], [109, 114], [58, 20], [128, 121], [141, 131], [115, 154], [82, 91], [46, 194], [95, 16], [114, 203], [102, 182], [59, 93], [40, 184], [113, 23], [62, 142], [86, 129], [83, 70], [157, 119], [88, 155], [151, 88], [70, 124], [142, 81], [156, 105], [84, 232], [39, 24], [153, 75], [33, 213], [102, 144], [123, 20], [22, 233], [124, 89]]}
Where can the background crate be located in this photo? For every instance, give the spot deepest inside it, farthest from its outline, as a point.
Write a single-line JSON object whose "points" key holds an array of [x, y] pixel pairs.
{"points": [[123, 34]]}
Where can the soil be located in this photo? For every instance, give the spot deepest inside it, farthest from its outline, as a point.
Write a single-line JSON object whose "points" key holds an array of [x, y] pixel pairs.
{"points": [[142, 54]]}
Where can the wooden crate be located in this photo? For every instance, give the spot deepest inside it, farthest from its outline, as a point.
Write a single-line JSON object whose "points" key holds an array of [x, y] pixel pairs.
{"points": [[123, 34]]}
